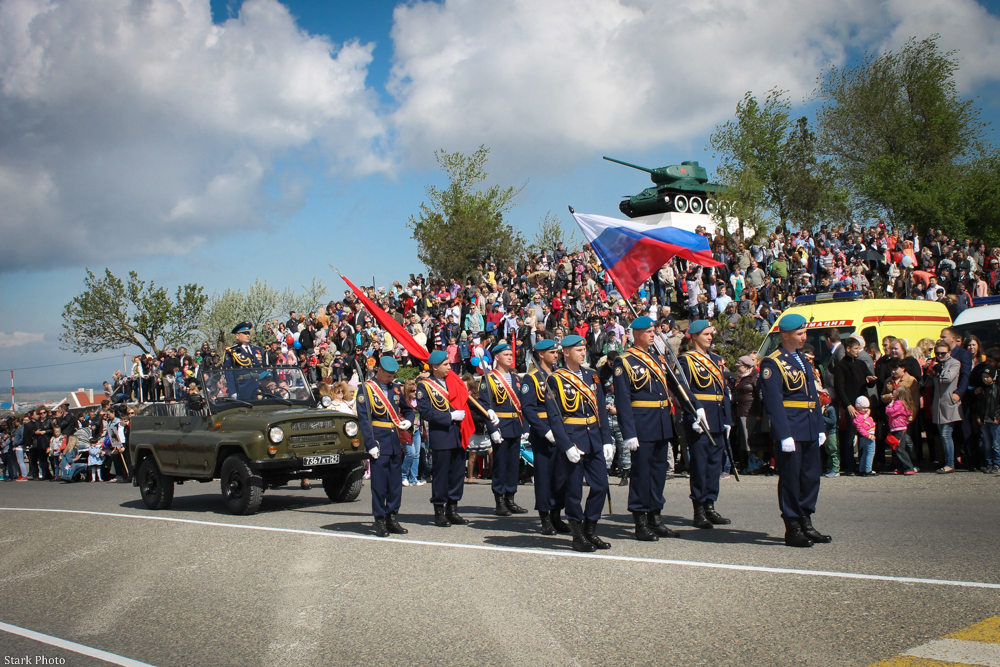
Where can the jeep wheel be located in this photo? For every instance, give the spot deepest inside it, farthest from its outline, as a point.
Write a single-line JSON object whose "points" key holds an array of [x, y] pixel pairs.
{"points": [[242, 488], [345, 487], [157, 489]]}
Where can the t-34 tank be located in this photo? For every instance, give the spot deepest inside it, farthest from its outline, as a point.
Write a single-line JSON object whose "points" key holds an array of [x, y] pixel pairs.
{"points": [[681, 188]]}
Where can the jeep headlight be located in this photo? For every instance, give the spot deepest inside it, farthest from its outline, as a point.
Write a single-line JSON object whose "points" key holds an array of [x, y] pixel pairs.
{"points": [[326, 401], [276, 434], [351, 429]]}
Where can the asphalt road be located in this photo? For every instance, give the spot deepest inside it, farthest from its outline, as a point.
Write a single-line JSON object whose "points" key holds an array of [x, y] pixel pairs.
{"points": [[321, 591]]}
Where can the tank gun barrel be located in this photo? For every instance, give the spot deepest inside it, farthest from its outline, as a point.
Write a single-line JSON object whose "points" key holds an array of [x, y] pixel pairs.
{"points": [[628, 164]]}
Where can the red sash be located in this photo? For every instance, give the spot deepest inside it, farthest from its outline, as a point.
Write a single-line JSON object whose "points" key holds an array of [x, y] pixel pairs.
{"points": [[509, 390], [432, 386], [710, 366], [385, 401], [646, 359], [580, 386]]}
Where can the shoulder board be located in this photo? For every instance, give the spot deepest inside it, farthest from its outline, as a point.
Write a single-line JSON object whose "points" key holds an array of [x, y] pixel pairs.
{"points": [[775, 355]]}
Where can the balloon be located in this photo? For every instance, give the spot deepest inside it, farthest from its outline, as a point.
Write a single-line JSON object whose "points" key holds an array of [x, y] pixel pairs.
{"points": [[289, 340], [474, 361], [907, 261], [297, 345]]}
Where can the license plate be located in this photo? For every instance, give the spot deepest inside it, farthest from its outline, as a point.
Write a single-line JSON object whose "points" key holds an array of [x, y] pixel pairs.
{"points": [[329, 459]]}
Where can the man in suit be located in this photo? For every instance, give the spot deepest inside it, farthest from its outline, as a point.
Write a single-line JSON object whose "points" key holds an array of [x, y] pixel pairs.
{"points": [[444, 433], [500, 391]]}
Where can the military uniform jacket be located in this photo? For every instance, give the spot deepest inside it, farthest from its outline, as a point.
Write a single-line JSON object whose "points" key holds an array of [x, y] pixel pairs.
{"points": [[241, 356], [381, 429], [789, 394], [434, 409], [533, 403], [708, 389], [641, 397], [504, 398], [577, 411]]}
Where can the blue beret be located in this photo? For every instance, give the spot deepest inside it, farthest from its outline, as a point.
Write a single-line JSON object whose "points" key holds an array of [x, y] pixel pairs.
{"points": [[263, 375], [388, 364], [544, 344], [500, 348], [242, 327], [571, 341], [698, 326], [641, 323], [791, 322], [437, 356]]}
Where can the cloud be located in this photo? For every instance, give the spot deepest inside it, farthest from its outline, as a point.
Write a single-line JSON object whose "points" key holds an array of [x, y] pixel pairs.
{"points": [[141, 128], [546, 83], [19, 338]]}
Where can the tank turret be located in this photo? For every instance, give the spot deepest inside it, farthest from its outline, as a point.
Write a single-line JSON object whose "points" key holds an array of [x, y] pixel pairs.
{"points": [[681, 188]]}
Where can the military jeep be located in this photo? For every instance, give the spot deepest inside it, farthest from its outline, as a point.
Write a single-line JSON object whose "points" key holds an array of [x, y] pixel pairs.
{"points": [[251, 428]]}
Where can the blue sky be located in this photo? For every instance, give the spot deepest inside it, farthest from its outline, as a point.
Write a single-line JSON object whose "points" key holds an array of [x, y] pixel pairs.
{"points": [[218, 144]]}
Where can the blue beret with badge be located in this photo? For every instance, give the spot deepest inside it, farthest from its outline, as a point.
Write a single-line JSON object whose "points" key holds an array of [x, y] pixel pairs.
{"points": [[544, 344], [437, 356], [698, 326], [242, 327], [571, 341], [792, 322], [388, 364], [643, 322], [500, 348]]}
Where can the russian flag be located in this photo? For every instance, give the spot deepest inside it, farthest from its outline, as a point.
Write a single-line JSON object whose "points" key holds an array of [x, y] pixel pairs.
{"points": [[631, 252]]}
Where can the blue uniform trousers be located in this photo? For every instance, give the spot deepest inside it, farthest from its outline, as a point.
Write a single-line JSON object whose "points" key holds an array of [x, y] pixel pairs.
{"points": [[550, 476], [704, 465], [596, 470], [798, 479], [448, 469], [386, 483], [506, 459], [648, 475]]}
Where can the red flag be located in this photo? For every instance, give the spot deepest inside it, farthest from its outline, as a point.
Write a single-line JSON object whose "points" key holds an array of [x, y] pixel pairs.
{"points": [[458, 394]]}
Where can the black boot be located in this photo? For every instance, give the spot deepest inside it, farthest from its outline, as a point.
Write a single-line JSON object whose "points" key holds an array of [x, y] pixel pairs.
{"points": [[642, 532], [558, 523], [440, 520], [794, 536], [713, 516], [380, 529], [624, 477], [700, 520], [392, 524], [580, 543], [590, 533], [656, 525], [508, 499], [547, 527], [501, 509], [812, 533], [451, 511]]}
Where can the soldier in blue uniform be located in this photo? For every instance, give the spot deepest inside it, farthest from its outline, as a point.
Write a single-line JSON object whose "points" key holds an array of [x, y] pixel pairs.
{"points": [[242, 354], [642, 400], [792, 405], [578, 419], [702, 371], [382, 414], [445, 440], [500, 391], [550, 467]]}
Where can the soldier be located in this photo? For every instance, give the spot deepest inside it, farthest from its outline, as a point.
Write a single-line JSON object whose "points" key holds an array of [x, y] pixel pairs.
{"points": [[643, 404], [382, 414], [797, 426], [445, 440], [578, 419], [710, 395], [550, 469], [243, 354], [500, 391]]}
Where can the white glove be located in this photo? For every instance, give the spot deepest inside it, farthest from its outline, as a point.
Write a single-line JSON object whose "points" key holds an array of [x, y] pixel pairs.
{"points": [[728, 429], [574, 454], [374, 452], [493, 417], [457, 415], [496, 437], [609, 453], [699, 417], [549, 436], [822, 439], [632, 444], [405, 425], [788, 445]]}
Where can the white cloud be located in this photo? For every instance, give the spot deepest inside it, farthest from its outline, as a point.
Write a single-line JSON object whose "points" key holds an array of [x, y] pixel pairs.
{"points": [[19, 338], [142, 128]]}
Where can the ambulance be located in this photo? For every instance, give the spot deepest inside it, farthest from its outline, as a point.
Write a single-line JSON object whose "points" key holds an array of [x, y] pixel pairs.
{"points": [[982, 321], [874, 319]]}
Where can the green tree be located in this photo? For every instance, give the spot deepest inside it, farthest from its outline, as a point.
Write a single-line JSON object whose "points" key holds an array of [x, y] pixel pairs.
{"points": [[735, 341], [809, 185], [551, 233], [311, 298], [980, 197], [462, 226], [112, 314], [220, 315]]}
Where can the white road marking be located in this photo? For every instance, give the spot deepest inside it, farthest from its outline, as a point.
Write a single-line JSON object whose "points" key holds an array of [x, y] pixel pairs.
{"points": [[531, 552], [956, 650], [73, 646]]}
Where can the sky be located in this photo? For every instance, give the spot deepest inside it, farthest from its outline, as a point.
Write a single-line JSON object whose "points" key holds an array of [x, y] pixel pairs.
{"points": [[218, 142]]}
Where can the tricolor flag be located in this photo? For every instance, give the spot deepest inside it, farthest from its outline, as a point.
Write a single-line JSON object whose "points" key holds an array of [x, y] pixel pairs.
{"points": [[631, 252]]}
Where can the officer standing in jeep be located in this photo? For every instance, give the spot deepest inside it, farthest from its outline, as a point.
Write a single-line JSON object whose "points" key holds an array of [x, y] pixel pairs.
{"points": [[243, 354]]}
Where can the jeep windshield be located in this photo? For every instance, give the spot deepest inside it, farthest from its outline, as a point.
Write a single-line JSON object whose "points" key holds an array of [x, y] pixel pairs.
{"points": [[268, 385]]}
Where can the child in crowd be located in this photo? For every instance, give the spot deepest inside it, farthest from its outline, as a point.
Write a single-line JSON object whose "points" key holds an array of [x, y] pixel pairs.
{"points": [[57, 443], [988, 414], [94, 461], [830, 447], [899, 416], [865, 426]]}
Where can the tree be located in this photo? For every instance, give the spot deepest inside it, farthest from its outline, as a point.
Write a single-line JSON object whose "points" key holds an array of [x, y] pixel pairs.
{"points": [[111, 314], [462, 226], [811, 194], [310, 299], [898, 133], [735, 341], [551, 233], [980, 197], [220, 315]]}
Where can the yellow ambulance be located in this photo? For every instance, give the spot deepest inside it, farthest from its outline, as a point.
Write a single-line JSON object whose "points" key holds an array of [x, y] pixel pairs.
{"points": [[874, 319]]}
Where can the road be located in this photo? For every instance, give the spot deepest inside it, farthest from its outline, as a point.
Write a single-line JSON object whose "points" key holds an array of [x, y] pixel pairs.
{"points": [[305, 582]]}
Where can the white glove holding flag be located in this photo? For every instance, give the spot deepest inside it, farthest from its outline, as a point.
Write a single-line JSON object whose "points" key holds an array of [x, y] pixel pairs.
{"points": [[788, 445], [405, 425], [822, 439], [496, 437], [632, 444], [374, 452], [699, 417], [493, 418], [549, 436], [574, 454], [609, 453], [728, 429], [457, 415]]}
